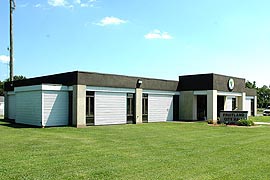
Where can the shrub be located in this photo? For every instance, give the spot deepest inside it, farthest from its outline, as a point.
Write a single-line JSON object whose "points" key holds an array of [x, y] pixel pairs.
{"points": [[209, 121], [244, 122]]}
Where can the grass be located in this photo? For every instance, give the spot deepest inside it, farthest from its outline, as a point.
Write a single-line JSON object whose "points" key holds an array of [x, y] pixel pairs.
{"points": [[144, 151], [260, 119]]}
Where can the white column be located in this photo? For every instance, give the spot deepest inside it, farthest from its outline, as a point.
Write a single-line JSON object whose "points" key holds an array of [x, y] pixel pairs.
{"points": [[138, 111], [212, 105], [194, 108], [79, 106], [242, 102], [255, 105]]}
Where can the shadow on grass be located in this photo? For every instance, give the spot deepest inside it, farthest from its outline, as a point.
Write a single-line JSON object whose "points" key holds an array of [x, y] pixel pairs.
{"points": [[12, 124]]}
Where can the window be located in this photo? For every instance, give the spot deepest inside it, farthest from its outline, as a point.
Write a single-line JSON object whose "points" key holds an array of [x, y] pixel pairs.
{"points": [[130, 104], [90, 107], [234, 104], [130, 108], [145, 107], [145, 104]]}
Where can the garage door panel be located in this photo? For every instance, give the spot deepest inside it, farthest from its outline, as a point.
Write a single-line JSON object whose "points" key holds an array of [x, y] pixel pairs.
{"points": [[110, 108], [160, 108], [55, 108]]}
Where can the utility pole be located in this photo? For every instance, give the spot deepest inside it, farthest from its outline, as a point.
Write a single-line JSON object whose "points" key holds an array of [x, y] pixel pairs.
{"points": [[11, 8]]}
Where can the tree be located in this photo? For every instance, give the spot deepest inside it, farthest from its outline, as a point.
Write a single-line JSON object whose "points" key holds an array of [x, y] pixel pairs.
{"points": [[1, 88], [263, 95], [251, 85], [16, 78]]}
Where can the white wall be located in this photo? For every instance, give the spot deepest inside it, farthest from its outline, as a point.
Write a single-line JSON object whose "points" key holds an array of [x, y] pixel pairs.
{"points": [[39, 105], [228, 103], [2, 110], [110, 108], [55, 108], [28, 108], [160, 108]]}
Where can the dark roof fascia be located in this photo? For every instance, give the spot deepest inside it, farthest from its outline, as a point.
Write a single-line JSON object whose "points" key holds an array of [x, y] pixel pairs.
{"points": [[196, 82], [95, 79], [68, 79], [250, 92], [123, 81]]}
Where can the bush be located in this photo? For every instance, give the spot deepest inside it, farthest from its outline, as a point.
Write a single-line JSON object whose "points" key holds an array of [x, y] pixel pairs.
{"points": [[244, 122], [210, 121]]}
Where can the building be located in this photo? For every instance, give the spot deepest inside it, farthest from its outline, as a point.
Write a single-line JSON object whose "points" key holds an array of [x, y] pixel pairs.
{"points": [[86, 98], [1, 105]]}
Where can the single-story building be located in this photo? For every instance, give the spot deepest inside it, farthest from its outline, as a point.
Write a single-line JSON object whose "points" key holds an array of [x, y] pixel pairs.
{"points": [[86, 98]]}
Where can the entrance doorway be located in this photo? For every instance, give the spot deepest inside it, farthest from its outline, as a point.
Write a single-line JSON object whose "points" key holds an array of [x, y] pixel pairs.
{"points": [[220, 104], [201, 107], [252, 107]]}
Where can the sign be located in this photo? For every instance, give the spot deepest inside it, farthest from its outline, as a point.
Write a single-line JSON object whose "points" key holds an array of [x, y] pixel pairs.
{"points": [[231, 84], [231, 117]]}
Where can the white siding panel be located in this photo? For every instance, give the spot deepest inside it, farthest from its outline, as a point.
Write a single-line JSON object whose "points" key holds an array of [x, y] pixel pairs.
{"points": [[248, 106], [2, 109], [28, 108], [55, 108], [228, 104], [160, 108], [110, 108], [11, 106]]}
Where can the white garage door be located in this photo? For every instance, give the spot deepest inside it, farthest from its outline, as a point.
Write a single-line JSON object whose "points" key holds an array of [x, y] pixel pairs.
{"points": [[160, 108], [110, 108], [55, 108]]}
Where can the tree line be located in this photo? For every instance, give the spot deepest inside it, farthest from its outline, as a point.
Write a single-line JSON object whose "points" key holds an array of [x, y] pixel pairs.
{"points": [[263, 94], [19, 77]]}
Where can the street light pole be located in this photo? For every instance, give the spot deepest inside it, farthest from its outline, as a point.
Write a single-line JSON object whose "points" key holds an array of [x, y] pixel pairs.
{"points": [[12, 8]]}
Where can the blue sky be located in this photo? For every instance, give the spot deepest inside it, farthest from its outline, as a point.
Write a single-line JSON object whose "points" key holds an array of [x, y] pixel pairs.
{"points": [[160, 39]]}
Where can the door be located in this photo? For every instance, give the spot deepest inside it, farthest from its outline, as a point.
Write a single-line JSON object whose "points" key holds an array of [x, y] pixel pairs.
{"points": [[201, 107], [90, 107], [176, 107], [220, 104]]}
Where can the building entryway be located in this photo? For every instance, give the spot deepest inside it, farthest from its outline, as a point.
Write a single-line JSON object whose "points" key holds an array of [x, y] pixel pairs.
{"points": [[220, 104], [201, 107]]}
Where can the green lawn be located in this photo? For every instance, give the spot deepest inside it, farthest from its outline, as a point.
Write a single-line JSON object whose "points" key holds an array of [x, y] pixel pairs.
{"points": [[144, 151], [260, 119]]}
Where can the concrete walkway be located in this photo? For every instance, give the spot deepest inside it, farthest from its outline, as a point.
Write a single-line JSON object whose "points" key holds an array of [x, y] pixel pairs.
{"points": [[262, 123]]}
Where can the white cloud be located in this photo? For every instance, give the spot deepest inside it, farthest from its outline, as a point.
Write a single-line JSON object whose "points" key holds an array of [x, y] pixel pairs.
{"points": [[110, 21], [56, 3], [37, 5], [84, 3], [4, 59], [157, 34], [72, 3]]}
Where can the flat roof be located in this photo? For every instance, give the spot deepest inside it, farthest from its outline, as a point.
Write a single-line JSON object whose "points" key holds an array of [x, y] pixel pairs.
{"points": [[210, 81]]}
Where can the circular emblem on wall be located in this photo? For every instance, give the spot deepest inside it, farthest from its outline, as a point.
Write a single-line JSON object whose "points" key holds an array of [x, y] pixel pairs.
{"points": [[231, 84]]}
